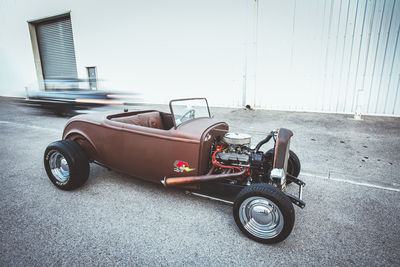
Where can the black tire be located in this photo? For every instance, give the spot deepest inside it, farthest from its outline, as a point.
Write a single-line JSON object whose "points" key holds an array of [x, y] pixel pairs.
{"points": [[294, 165], [77, 163], [272, 195]]}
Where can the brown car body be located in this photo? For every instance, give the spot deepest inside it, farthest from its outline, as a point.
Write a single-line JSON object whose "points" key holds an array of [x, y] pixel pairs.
{"points": [[190, 150], [145, 144]]}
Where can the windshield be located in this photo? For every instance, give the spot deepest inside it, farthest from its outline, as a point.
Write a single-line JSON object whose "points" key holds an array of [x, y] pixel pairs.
{"points": [[189, 109]]}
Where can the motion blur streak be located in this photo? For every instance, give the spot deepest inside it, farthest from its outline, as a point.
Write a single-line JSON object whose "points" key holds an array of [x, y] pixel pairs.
{"points": [[120, 96], [99, 101]]}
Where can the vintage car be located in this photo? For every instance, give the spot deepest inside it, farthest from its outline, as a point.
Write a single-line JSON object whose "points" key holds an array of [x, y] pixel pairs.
{"points": [[186, 148]]}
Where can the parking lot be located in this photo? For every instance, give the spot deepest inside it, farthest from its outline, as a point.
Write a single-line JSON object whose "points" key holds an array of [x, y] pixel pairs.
{"points": [[351, 217]]}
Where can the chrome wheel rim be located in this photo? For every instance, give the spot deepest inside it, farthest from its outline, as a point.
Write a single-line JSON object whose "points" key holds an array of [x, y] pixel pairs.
{"points": [[261, 217], [59, 167]]}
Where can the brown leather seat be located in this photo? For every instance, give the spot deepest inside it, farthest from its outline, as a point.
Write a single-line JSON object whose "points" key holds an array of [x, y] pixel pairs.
{"points": [[149, 119]]}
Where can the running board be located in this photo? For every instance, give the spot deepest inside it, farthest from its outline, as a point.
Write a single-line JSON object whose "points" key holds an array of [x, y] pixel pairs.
{"points": [[208, 197]]}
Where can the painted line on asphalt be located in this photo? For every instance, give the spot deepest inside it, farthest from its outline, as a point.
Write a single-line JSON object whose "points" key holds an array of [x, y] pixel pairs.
{"points": [[30, 126], [350, 182]]}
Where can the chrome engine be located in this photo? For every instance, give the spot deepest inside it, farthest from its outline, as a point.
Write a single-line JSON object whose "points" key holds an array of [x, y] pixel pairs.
{"points": [[237, 152]]}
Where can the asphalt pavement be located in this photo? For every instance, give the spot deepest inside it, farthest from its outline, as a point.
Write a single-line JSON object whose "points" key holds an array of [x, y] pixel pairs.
{"points": [[351, 217]]}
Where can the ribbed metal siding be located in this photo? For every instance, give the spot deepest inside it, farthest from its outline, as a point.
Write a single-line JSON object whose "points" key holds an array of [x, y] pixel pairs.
{"points": [[330, 55], [56, 48]]}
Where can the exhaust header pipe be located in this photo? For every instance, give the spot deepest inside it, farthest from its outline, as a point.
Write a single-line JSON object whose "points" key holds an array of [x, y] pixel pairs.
{"points": [[174, 181]]}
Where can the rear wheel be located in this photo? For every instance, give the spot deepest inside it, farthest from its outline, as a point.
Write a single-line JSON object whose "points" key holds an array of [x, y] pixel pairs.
{"points": [[66, 164], [264, 213]]}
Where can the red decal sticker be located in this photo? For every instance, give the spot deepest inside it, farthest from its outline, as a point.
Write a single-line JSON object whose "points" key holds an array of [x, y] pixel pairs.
{"points": [[181, 166]]}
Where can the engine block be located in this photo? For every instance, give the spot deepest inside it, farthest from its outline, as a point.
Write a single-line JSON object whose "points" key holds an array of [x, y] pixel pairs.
{"points": [[232, 158]]}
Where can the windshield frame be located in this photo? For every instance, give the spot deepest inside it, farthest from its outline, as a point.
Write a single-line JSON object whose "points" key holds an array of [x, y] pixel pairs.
{"points": [[187, 99]]}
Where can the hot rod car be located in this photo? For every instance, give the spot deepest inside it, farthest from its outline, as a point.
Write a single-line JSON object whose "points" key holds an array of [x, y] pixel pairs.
{"points": [[186, 148]]}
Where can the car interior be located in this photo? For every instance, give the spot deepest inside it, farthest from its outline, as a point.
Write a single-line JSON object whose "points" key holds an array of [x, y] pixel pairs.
{"points": [[152, 119]]}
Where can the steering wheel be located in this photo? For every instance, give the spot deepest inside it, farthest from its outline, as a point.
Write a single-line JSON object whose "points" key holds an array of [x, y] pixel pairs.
{"points": [[189, 114]]}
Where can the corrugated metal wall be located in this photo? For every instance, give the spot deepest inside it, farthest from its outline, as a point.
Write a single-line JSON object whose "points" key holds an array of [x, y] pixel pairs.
{"points": [[57, 52], [332, 55], [310, 55]]}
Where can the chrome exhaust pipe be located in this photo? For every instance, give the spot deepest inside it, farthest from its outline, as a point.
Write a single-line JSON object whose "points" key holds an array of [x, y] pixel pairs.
{"points": [[173, 181]]}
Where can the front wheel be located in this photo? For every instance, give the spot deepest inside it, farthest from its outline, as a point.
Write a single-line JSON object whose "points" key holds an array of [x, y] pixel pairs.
{"points": [[66, 164], [293, 167], [264, 213]]}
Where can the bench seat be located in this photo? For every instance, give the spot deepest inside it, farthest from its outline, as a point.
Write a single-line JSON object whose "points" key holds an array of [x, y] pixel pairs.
{"points": [[148, 119]]}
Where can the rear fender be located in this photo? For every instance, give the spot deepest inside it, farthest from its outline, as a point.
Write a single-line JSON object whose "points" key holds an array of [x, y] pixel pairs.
{"points": [[84, 142]]}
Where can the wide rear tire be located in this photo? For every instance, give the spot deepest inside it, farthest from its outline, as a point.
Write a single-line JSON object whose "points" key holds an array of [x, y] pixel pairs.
{"points": [[264, 213], [66, 164]]}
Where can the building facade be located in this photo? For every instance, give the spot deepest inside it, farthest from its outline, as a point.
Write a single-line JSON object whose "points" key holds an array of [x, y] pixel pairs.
{"points": [[340, 56]]}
